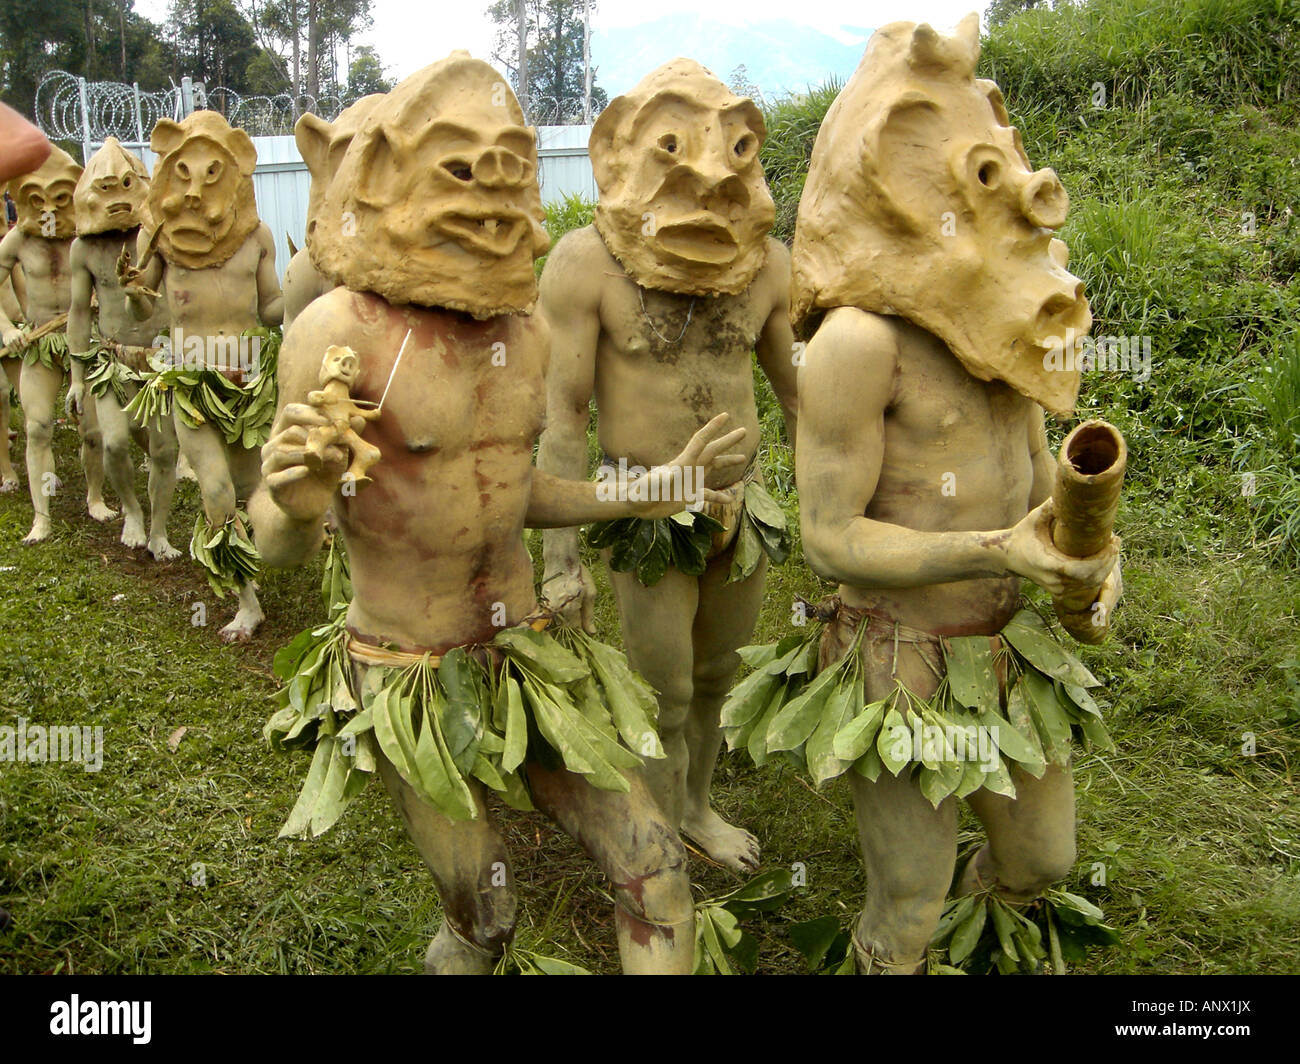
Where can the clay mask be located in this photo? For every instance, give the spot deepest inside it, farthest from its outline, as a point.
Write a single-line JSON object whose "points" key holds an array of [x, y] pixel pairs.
{"points": [[323, 144], [111, 192], [436, 200], [920, 202], [683, 204], [202, 191], [44, 197]]}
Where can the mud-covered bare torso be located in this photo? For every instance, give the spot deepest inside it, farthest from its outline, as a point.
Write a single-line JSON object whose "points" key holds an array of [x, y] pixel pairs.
{"points": [[436, 540], [653, 389], [220, 300], [956, 458], [45, 266], [116, 322]]}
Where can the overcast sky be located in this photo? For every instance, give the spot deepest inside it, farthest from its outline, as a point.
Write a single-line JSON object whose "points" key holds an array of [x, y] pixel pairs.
{"points": [[409, 34]]}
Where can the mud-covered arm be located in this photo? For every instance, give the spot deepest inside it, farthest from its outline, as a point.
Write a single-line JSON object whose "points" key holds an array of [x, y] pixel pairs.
{"points": [[139, 304], [1041, 456], [9, 248], [845, 388], [776, 350], [79, 313], [270, 299], [570, 304]]}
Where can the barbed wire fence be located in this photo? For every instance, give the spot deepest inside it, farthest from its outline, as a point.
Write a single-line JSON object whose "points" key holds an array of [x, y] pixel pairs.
{"points": [[69, 107]]}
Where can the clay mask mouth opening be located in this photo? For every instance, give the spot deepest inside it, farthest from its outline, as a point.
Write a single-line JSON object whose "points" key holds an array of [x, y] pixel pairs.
{"points": [[1093, 450], [192, 238], [485, 232], [699, 239], [119, 208]]}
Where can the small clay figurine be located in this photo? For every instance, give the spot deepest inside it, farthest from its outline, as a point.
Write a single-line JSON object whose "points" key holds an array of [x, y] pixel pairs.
{"points": [[339, 370]]}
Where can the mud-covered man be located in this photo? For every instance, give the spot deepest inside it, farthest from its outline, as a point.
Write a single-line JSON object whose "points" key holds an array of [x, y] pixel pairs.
{"points": [[925, 262], [656, 310], [436, 283]]}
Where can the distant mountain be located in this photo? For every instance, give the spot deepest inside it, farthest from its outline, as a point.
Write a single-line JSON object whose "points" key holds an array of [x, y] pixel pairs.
{"points": [[779, 56]]}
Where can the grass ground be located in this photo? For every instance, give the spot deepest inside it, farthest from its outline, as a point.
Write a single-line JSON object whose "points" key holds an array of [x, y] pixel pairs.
{"points": [[167, 860]]}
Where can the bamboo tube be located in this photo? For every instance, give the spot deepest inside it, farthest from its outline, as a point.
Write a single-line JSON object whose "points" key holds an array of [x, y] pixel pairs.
{"points": [[1089, 476]]}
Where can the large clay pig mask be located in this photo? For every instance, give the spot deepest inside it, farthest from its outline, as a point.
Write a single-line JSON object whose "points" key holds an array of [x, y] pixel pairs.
{"points": [[45, 197], [436, 201], [683, 204], [920, 202], [323, 144], [111, 194], [202, 191]]}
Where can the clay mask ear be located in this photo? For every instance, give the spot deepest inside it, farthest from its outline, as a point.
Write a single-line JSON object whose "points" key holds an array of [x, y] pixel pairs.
{"points": [[902, 162], [383, 156], [165, 137], [602, 145], [994, 95], [312, 134], [241, 147]]}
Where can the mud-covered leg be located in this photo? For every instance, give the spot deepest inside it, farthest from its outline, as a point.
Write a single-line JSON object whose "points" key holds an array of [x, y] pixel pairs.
{"points": [[38, 388], [162, 451], [472, 872], [12, 370], [909, 849], [92, 461], [115, 428], [639, 851], [724, 622], [656, 623], [1031, 836], [208, 455]]}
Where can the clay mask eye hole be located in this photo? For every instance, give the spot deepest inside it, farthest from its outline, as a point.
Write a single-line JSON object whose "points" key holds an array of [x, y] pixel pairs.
{"points": [[126, 181], [459, 169], [213, 172], [989, 174], [743, 146], [668, 143], [182, 171]]}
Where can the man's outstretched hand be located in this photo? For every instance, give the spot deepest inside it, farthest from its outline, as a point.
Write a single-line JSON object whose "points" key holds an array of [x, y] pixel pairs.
{"points": [[708, 455]]}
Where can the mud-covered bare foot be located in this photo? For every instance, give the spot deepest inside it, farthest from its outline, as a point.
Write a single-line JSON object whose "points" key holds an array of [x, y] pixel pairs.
{"points": [[8, 484], [162, 550], [99, 510], [730, 846], [448, 955], [39, 533], [241, 629], [133, 531]]}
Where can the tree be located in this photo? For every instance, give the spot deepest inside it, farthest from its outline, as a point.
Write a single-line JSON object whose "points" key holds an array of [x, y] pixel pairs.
{"points": [[554, 34], [311, 40], [1000, 11], [95, 39], [366, 74]]}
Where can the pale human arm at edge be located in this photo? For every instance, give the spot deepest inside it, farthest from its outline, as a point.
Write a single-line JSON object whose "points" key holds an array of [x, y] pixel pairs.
{"points": [[26, 147]]}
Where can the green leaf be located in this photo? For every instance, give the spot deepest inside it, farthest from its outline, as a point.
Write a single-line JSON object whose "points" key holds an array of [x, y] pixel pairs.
{"points": [[1049, 719], [859, 734], [747, 553], [1027, 633], [844, 700], [972, 678], [516, 726], [797, 719], [812, 938], [894, 743], [967, 935], [300, 816]]}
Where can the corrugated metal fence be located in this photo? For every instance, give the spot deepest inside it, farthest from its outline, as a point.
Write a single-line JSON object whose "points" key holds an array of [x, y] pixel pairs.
{"points": [[281, 181]]}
